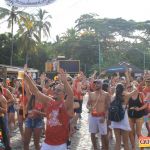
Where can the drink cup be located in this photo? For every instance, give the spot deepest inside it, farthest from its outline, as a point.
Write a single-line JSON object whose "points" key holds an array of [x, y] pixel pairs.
{"points": [[20, 75]]}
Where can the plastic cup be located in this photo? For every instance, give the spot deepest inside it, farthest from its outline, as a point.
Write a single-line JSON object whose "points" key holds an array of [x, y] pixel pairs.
{"points": [[20, 75]]}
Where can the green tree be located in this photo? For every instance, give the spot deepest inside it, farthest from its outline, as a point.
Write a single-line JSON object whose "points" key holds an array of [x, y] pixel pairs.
{"points": [[27, 36], [69, 42], [12, 16], [42, 24], [5, 46]]}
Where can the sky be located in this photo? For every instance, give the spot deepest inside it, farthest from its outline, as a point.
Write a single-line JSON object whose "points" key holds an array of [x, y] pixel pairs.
{"points": [[65, 12]]}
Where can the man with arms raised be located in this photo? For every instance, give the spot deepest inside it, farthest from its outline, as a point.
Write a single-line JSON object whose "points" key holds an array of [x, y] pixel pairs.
{"points": [[98, 106], [58, 112]]}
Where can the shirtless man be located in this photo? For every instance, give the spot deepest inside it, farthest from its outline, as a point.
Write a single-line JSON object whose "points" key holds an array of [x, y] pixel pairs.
{"points": [[98, 106]]}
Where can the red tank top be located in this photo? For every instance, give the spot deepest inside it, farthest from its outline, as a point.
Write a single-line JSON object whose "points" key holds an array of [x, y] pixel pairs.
{"points": [[57, 126], [77, 93]]}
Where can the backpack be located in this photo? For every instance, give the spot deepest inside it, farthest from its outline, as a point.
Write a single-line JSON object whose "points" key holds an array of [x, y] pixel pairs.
{"points": [[116, 111]]}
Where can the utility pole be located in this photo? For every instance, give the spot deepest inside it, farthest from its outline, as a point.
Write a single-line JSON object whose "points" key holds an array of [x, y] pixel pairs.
{"points": [[99, 56]]}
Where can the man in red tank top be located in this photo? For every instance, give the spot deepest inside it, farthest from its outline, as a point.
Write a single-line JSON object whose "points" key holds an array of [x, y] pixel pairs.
{"points": [[58, 112]]}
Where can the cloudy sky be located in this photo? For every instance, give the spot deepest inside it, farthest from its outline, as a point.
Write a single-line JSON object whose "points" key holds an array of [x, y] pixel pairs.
{"points": [[65, 12]]}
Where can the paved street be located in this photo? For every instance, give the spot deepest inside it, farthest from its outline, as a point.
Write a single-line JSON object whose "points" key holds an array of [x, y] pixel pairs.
{"points": [[80, 140]]}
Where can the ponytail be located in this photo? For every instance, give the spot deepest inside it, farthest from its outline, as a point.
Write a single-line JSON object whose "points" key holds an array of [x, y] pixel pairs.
{"points": [[119, 92]]}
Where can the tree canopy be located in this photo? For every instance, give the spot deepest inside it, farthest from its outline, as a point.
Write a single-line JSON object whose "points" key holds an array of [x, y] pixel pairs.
{"points": [[92, 38]]}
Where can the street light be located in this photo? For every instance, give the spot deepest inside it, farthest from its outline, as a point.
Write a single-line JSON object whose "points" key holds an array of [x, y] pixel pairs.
{"points": [[100, 58]]}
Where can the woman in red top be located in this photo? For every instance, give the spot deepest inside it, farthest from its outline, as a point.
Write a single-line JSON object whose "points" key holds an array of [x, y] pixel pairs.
{"points": [[58, 112]]}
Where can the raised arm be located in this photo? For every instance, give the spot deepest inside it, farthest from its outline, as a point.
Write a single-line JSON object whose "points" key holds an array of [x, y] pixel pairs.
{"points": [[68, 91], [130, 94], [93, 75], [9, 96], [42, 98]]}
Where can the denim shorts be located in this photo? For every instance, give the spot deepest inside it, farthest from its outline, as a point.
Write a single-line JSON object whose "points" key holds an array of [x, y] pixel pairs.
{"points": [[6, 123], [34, 123], [11, 109]]}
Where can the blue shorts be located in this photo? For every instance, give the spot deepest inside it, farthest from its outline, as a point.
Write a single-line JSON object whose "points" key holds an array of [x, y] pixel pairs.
{"points": [[34, 123], [11, 109], [6, 123]]}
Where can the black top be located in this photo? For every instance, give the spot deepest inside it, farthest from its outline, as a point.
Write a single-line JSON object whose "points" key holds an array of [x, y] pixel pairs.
{"points": [[135, 103]]}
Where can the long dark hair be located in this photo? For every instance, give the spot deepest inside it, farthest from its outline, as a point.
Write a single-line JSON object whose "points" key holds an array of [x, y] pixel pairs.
{"points": [[105, 87], [119, 92], [1, 90]]}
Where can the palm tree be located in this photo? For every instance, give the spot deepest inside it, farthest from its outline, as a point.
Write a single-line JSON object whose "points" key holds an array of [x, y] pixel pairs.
{"points": [[12, 16], [69, 40], [27, 36], [70, 34], [42, 24]]}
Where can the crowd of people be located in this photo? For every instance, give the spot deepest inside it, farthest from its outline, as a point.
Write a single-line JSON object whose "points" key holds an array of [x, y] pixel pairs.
{"points": [[117, 104]]}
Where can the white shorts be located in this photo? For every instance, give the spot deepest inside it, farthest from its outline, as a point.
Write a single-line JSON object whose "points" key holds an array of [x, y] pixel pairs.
{"points": [[52, 147], [96, 127]]}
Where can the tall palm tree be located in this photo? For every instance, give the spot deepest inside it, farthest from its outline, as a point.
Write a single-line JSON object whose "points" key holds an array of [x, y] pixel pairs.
{"points": [[42, 24], [27, 36], [12, 16]]}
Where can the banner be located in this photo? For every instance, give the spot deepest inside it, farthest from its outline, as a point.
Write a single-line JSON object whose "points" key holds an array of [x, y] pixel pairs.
{"points": [[29, 3], [144, 142]]}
